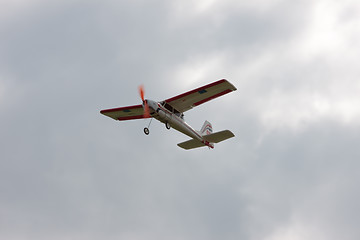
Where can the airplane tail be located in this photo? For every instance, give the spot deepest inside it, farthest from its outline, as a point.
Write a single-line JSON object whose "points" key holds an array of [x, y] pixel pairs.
{"points": [[206, 128], [209, 138]]}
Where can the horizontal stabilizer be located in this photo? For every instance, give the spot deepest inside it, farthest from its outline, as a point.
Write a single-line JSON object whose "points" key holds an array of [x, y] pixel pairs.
{"points": [[218, 136], [211, 138], [193, 143]]}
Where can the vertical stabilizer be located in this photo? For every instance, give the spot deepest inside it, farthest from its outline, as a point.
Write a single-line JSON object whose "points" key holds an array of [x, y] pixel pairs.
{"points": [[206, 128]]}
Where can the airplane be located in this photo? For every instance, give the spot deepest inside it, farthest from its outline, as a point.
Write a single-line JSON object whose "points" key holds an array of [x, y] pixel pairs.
{"points": [[171, 112]]}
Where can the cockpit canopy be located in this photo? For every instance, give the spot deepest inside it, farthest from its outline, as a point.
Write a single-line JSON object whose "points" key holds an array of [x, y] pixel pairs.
{"points": [[171, 109]]}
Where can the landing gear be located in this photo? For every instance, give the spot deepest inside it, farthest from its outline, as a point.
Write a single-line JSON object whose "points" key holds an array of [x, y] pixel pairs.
{"points": [[167, 125], [146, 131]]}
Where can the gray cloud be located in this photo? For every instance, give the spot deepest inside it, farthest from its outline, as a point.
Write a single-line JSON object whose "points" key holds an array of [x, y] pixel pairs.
{"points": [[68, 172]]}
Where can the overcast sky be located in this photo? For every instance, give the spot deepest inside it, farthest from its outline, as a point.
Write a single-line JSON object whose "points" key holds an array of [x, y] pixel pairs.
{"points": [[291, 172]]}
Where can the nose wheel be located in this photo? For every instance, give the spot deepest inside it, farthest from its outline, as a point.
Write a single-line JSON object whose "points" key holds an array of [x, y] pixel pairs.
{"points": [[167, 125], [146, 131]]}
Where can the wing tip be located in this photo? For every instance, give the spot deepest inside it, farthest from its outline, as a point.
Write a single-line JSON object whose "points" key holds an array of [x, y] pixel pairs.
{"points": [[233, 88]]}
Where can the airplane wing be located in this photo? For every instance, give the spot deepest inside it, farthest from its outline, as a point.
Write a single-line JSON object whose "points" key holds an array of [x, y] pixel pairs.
{"points": [[188, 100], [125, 113]]}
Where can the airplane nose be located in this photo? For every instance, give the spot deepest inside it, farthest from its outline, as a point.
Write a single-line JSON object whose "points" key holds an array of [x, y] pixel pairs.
{"points": [[149, 103]]}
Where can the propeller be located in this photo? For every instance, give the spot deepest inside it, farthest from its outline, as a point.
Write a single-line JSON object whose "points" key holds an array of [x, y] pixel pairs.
{"points": [[145, 104]]}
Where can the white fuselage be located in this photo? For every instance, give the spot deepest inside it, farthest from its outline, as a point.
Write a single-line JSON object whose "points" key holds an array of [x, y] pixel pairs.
{"points": [[175, 120]]}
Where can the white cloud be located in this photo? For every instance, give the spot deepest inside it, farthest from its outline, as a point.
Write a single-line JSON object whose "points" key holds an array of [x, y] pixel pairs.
{"points": [[299, 109], [332, 30], [297, 231], [193, 72], [313, 76]]}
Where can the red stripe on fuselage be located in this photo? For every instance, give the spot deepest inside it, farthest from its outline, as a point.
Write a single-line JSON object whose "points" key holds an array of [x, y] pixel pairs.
{"points": [[206, 143], [181, 122]]}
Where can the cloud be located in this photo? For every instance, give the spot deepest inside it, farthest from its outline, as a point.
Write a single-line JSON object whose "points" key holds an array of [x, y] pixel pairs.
{"points": [[68, 172]]}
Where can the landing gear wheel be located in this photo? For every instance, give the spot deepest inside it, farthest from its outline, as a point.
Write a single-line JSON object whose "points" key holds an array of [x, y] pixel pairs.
{"points": [[146, 131], [167, 125]]}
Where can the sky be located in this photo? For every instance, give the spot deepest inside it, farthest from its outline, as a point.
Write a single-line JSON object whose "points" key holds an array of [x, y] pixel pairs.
{"points": [[291, 172]]}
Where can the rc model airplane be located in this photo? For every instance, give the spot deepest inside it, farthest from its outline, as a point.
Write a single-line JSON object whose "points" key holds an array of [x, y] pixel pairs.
{"points": [[171, 112]]}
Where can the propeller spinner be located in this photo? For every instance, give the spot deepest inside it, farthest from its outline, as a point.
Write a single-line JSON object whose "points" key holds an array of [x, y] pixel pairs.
{"points": [[145, 104]]}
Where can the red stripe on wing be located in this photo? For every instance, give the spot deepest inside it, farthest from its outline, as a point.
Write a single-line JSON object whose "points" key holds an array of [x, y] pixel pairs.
{"points": [[195, 90], [131, 118], [120, 109], [212, 97]]}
